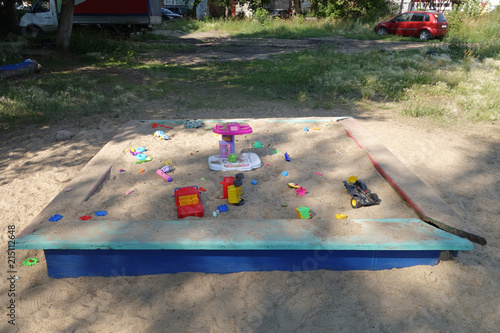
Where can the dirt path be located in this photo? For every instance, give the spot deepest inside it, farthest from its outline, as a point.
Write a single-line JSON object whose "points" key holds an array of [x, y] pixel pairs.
{"points": [[218, 46]]}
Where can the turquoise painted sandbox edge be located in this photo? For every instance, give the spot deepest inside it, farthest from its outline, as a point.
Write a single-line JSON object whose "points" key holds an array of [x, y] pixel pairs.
{"points": [[269, 120], [355, 234]]}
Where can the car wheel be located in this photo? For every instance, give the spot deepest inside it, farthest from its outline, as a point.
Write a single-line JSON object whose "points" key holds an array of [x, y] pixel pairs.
{"points": [[424, 35], [382, 31], [31, 31]]}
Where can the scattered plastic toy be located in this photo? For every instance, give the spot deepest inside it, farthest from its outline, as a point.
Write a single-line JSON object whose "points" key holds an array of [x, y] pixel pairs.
{"points": [[129, 192], [147, 159], [300, 191], [257, 144], [223, 208], [166, 168], [319, 173], [360, 194], [101, 213], [141, 170], [196, 123], [287, 157], [293, 185], [340, 216], [226, 182], [55, 218], [141, 157], [228, 159], [85, 217], [30, 261], [303, 212], [161, 135], [202, 189], [136, 151], [306, 129], [234, 191], [284, 173], [162, 174], [187, 200], [122, 170], [155, 125], [254, 182]]}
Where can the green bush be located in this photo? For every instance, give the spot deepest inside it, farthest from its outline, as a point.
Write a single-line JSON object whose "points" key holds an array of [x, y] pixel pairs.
{"points": [[470, 31], [346, 9], [261, 15]]}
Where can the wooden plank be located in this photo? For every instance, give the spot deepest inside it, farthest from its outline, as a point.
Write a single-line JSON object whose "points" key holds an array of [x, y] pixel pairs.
{"points": [[76, 263], [214, 234], [88, 180], [428, 205], [243, 120]]}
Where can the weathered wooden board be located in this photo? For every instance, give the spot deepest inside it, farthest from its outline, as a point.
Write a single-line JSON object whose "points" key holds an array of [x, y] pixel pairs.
{"points": [[87, 181], [76, 263], [428, 205], [200, 234]]}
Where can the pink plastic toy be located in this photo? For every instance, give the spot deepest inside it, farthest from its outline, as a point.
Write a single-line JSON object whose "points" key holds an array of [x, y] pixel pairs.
{"points": [[228, 131], [163, 175], [228, 160]]}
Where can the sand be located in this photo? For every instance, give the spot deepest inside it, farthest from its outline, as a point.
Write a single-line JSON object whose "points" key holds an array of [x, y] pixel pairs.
{"points": [[320, 159], [460, 163]]}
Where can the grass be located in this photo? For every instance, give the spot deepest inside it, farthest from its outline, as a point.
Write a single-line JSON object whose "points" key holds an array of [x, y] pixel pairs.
{"points": [[285, 29], [460, 82]]}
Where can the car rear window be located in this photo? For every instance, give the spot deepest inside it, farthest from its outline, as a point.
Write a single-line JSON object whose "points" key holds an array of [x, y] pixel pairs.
{"points": [[440, 17]]}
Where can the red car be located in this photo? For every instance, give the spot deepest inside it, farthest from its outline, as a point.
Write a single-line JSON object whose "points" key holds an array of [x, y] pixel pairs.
{"points": [[424, 25]]}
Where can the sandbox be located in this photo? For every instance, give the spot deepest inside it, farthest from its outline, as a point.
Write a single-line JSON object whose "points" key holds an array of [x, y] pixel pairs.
{"points": [[141, 233]]}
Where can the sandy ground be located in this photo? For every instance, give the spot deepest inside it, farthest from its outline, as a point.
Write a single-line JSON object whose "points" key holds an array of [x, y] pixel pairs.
{"points": [[320, 159], [462, 163]]}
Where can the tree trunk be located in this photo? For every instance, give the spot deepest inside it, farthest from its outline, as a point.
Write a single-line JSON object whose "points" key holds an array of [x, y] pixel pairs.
{"points": [[296, 7], [65, 25], [8, 18]]}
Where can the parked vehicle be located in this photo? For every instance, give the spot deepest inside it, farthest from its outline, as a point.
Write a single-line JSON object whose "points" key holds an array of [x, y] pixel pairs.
{"points": [[116, 15], [279, 13], [167, 15], [182, 11], [424, 25]]}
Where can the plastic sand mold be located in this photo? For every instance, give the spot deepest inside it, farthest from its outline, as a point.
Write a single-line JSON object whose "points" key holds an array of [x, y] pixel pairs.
{"points": [[30, 261]]}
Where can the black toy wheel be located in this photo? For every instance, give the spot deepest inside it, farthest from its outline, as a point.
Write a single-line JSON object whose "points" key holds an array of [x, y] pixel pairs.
{"points": [[355, 202]]}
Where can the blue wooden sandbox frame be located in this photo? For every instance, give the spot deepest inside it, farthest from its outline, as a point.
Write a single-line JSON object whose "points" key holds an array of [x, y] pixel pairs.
{"points": [[117, 248]]}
